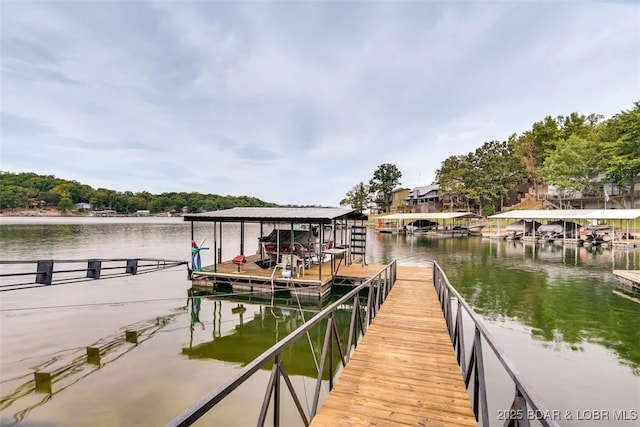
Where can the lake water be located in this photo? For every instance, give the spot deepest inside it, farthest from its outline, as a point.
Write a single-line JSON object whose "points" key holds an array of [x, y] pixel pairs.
{"points": [[553, 310]]}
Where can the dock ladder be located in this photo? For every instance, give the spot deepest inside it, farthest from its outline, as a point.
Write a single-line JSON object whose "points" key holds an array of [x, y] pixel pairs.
{"points": [[358, 242]]}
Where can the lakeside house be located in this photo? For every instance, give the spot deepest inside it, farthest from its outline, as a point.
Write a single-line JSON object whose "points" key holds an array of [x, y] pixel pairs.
{"points": [[82, 206], [424, 199]]}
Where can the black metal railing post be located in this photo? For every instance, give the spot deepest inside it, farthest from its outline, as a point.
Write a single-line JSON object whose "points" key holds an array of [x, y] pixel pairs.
{"points": [[44, 275], [276, 393], [480, 383]]}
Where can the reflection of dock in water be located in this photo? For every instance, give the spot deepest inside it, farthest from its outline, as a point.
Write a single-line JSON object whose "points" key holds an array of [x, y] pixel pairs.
{"points": [[68, 367], [254, 333]]}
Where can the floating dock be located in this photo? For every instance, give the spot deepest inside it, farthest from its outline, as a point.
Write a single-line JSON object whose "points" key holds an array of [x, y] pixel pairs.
{"points": [[629, 280], [311, 245], [315, 281]]}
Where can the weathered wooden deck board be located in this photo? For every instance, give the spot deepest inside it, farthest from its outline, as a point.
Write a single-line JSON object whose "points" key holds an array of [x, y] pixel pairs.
{"points": [[630, 275], [404, 371]]}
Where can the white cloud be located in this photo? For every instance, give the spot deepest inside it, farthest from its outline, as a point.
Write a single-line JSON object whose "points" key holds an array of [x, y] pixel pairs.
{"points": [[295, 102]]}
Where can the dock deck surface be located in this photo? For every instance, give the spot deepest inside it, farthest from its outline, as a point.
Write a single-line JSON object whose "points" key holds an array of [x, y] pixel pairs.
{"points": [[630, 275], [404, 371], [313, 280]]}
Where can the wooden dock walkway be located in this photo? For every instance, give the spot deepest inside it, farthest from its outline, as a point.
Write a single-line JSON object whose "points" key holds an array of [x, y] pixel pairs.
{"points": [[404, 371]]}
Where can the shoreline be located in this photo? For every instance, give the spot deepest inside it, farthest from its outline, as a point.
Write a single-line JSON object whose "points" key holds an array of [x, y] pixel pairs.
{"points": [[55, 213]]}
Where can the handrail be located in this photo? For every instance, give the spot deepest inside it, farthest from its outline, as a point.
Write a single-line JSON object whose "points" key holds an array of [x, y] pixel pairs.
{"points": [[43, 270], [526, 405], [377, 287]]}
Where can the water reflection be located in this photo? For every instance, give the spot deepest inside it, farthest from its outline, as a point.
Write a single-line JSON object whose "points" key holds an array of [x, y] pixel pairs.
{"points": [[66, 368], [563, 293], [260, 321], [552, 309]]}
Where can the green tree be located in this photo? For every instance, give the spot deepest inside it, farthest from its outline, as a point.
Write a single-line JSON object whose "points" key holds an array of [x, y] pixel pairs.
{"points": [[484, 176], [103, 199], [545, 133], [385, 178], [621, 137], [12, 196], [65, 204], [358, 198], [495, 170], [529, 152], [451, 178], [575, 165]]}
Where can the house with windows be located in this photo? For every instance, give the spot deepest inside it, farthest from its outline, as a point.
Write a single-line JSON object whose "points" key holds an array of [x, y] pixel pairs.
{"points": [[610, 195], [424, 199], [398, 200], [82, 206]]}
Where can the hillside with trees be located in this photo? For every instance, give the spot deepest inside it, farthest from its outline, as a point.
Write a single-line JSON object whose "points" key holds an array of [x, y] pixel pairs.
{"points": [[573, 153], [30, 190]]}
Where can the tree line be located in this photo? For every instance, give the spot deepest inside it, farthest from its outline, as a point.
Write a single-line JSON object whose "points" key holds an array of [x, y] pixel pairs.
{"points": [[27, 189], [573, 153]]}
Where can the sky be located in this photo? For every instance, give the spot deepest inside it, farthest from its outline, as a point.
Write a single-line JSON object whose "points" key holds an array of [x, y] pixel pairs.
{"points": [[294, 102]]}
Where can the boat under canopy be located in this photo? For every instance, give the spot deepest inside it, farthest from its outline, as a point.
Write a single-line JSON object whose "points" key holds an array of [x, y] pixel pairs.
{"points": [[524, 227], [598, 225], [300, 242], [596, 234], [421, 226], [558, 230], [444, 221]]}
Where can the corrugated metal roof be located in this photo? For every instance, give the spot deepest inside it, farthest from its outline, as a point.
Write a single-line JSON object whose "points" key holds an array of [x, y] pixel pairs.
{"points": [[570, 214], [432, 215], [301, 215]]}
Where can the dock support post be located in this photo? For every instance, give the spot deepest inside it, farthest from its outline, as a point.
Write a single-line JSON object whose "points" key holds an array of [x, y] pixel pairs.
{"points": [[131, 336], [93, 269], [93, 355], [242, 238], [132, 266], [44, 274], [43, 382]]}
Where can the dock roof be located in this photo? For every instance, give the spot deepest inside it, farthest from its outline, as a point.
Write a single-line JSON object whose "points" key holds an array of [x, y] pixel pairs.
{"points": [[298, 215], [431, 215], [628, 214]]}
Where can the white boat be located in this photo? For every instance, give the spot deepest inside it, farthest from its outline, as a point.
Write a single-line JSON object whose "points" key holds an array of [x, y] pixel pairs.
{"points": [[421, 226], [522, 228], [596, 234], [558, 230], [302, 243], [455, 231]]}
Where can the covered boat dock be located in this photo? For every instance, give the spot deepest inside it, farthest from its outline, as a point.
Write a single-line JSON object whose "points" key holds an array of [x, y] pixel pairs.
{"points": [[622, 222], [449, 223], [309, 247]]}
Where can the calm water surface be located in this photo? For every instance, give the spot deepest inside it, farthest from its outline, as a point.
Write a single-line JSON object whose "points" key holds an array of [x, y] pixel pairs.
{"points": [[554, 310]]}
